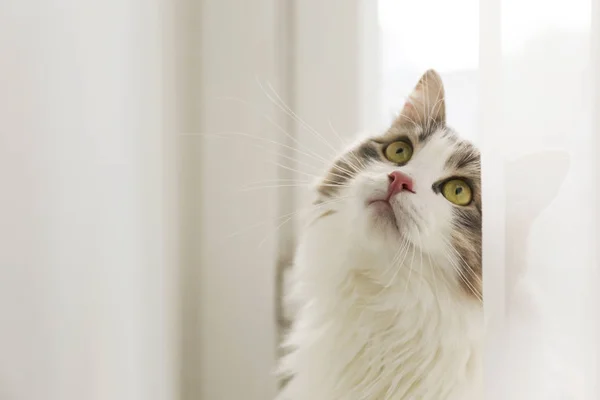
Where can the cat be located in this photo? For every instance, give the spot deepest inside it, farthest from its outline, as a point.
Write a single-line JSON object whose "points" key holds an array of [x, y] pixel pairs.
{"points": [[388, 273]]}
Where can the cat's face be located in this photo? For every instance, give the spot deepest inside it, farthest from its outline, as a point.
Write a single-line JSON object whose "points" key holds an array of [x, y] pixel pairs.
{"points": [[418, 183]]}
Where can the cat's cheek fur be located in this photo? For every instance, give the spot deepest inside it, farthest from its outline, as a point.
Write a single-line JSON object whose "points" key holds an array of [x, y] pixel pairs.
{"points": [[355, 340]]}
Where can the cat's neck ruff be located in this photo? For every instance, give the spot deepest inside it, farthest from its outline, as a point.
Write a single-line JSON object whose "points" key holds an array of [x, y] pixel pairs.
{"points": [[372, 329]]}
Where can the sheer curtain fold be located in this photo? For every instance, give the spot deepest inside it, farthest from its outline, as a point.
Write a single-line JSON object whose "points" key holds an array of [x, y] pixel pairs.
{"points": [[593, 309], [540, 180], [493, 173], [85, 279]]}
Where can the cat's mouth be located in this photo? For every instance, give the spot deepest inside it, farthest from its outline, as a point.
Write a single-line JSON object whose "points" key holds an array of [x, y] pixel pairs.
{"points": [[380, 203], [383, 210]]}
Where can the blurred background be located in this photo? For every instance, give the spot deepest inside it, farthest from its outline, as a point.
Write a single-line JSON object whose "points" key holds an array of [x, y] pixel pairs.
{"points": [[156, 155]]}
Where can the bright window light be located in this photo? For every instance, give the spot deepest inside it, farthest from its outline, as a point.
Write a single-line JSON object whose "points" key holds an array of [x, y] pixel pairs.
{"points": [[427, 33]]}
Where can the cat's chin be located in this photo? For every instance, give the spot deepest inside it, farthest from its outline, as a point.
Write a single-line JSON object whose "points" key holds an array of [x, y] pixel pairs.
{"points": [[382, 220], [383, 210]]}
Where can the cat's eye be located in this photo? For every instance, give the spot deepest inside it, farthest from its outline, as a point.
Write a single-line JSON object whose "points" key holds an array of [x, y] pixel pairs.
{"points": [[399, 152], [457, 191]]}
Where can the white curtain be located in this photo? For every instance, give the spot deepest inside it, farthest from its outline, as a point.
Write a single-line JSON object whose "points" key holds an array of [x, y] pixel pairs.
{"points": [[86, 276], [540, 176]]}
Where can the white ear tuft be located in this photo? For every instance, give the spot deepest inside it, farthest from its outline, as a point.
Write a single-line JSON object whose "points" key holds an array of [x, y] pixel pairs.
{"points": [[426, 103]]}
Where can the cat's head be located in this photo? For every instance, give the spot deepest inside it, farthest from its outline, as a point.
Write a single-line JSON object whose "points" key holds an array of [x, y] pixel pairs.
{"points": [[417, 184]]}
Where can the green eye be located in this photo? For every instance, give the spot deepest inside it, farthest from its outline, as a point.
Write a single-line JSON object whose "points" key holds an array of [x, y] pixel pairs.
{"points": [[457, 191], [399, 152]]}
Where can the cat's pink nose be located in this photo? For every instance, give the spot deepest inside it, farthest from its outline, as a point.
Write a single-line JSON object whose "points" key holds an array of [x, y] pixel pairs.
{"points": [[398, 182]]}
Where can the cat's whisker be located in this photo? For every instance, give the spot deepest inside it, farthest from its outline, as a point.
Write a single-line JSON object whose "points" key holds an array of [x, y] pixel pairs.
{"points": [[344, 170], [409, 119], [433, 274], [354, 166], [292, 215], [421, 257], [469, 268], [332, 202], [343, 177], [280, 128], [471, 288], [294, 182], [426, 113], [420, 116], [394, 264], [303, 172], [294, 185], [300, 185], [282, 180], [347, 163], [276, 100], [293, 169], [249, 136], [297, 162], [398, 262], [428, 109], [258, 224], [233, 134], [463, 277], [278, 227], [342, 141], [397, 265], [433, 112], [445, 279], [306, 209], [466, 280], [431, 109], [301, 149], [334, 166], [284, 107], [326, 183], [290, 113], [409, 272]]}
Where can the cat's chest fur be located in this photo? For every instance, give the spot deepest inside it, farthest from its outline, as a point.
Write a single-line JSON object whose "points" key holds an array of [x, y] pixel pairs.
{"points": [[401, 334]]}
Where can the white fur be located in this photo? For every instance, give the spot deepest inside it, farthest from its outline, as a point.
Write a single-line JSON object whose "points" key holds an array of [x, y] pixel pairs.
{"points": [[382, 313]]}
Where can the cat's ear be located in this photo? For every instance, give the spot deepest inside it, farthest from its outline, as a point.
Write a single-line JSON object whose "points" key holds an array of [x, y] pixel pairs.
{"points": [[533, 181], [426, 103]]}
